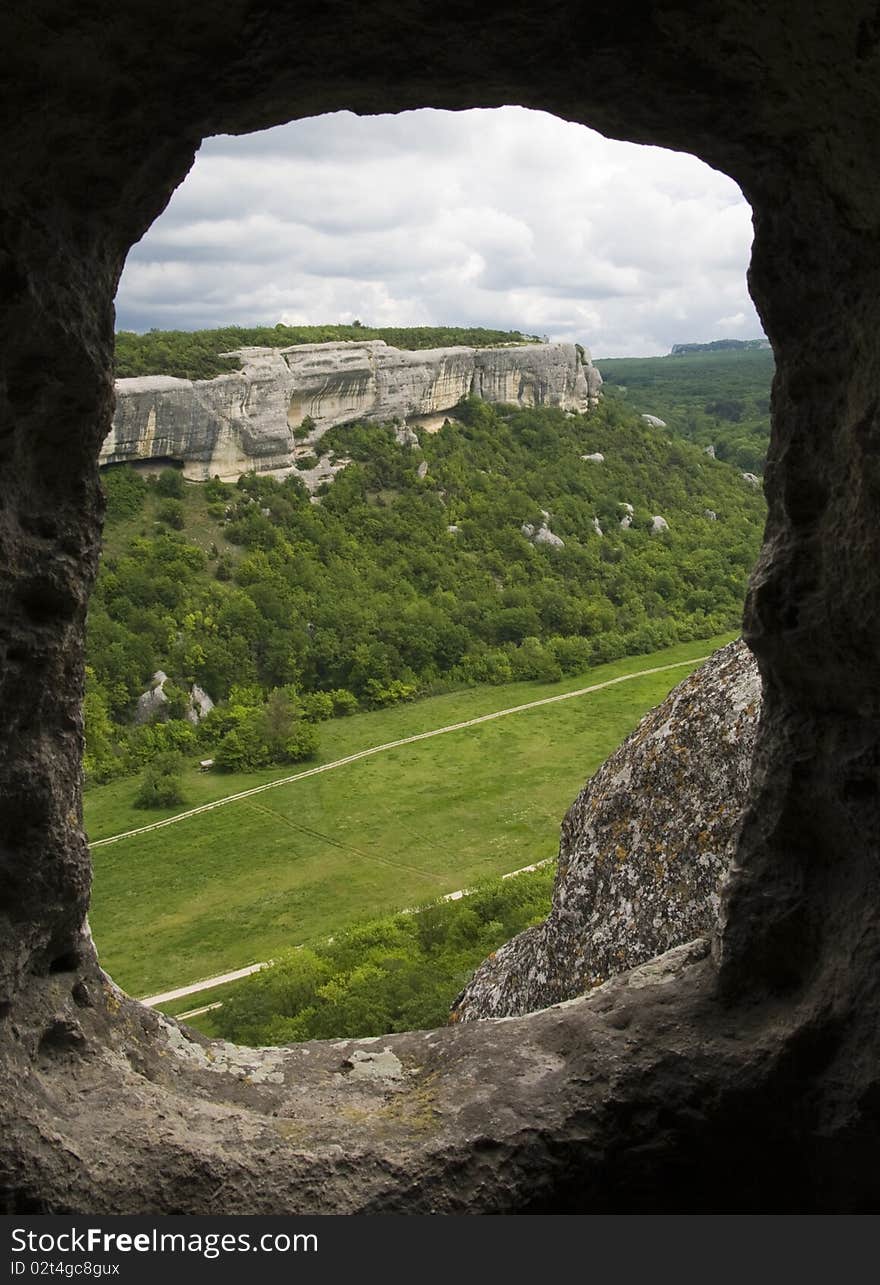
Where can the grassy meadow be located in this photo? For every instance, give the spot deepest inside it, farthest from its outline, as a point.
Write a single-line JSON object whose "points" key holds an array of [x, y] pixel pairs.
{"points": [[296, 863]]}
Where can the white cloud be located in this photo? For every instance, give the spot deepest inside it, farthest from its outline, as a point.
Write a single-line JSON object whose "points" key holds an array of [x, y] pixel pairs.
{"points": [[506, 218]]}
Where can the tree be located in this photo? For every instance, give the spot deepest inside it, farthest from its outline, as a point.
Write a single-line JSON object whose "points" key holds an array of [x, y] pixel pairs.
{"points": [[161, 785]]}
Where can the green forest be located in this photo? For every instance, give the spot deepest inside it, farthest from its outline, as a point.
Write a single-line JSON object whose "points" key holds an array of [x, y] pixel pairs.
{"points": [[401, 973], [195, 354], [718, 398], [394, 585]]}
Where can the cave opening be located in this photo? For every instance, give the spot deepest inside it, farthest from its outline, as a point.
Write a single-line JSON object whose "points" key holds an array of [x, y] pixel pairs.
{"points": [[756, 1062], [323, 208]]}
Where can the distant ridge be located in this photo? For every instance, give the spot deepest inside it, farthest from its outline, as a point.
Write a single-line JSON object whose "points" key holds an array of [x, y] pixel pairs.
{"points": [[717, 345]]}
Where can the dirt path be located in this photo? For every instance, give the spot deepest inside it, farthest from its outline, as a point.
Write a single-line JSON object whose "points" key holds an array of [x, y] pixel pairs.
{"points": [[390, 745], [151, 1001]]}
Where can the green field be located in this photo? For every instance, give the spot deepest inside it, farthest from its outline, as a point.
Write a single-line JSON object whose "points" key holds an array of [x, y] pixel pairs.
{"points": [[296, 863]]}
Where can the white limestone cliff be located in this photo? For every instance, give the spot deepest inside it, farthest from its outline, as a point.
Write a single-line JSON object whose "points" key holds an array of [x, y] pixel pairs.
{"points": [[282, 401]]}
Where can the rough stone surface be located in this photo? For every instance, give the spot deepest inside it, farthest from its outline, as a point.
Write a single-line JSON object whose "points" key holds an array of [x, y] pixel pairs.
{"points": [[244, 420], [710, 515], [654, 421], [751, 479], [596, 458], [757, 1063], [151, 702], [643, 849], [658, 525]]}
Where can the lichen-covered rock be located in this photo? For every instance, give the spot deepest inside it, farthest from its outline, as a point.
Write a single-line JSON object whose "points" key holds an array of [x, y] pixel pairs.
{"points": [[643, 847], [246, 419]]}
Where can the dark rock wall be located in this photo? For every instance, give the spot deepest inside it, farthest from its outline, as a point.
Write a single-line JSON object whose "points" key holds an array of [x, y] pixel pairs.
{"points": [[106, 104]]}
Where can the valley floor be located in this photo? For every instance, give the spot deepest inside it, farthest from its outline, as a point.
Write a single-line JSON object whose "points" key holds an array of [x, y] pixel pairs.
{"points": [[463, 794]]}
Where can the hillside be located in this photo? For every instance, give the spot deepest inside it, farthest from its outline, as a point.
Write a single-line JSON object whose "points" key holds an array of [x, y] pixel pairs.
{"points": [[717, 398], [472, 556]]}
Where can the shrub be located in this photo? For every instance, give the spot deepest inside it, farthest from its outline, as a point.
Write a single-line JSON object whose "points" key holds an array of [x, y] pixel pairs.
{"points": [[170, 484], [171, 512], [160, 785]]}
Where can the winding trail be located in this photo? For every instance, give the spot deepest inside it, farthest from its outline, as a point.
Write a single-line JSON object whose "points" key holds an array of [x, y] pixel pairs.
{"points": [[390, 745], [221, 979], [166, 997]]}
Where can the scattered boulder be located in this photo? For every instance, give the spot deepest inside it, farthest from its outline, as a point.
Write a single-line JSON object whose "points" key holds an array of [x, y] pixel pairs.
{"points": [[643, 847], [658, 525], [751, 479], [596, 458], [422, 470], [200, 704], [627, 508], [626, 521], [597, 527], [151, 702], [453, 529], [405, 436], [710, 451], [542, 534], [654, 421], [545, 536], [710, 514]]}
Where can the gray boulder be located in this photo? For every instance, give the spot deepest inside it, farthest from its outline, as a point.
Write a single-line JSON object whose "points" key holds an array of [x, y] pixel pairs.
{"points": [[658, 525], [643, 848], [654, 421], [151, 702]]}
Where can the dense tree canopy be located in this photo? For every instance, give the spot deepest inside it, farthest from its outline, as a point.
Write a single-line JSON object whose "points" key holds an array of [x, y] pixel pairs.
{"points": [[195, 354], [395, 584], [714, 397]]}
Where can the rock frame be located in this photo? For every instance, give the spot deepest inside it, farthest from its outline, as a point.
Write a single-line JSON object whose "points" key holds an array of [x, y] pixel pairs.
{"points": [[753, 1056]]}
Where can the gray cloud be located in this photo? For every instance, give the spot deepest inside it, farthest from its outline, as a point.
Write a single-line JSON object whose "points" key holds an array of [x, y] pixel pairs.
{"points": [[504, 218]]}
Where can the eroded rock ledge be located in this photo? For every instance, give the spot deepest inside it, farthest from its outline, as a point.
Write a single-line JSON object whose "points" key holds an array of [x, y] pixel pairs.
{"points": [[530, 1114], [254, 418]]}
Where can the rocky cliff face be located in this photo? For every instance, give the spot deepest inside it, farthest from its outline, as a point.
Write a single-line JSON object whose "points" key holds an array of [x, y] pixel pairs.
{"points": [[643, 847], [251, 419]]}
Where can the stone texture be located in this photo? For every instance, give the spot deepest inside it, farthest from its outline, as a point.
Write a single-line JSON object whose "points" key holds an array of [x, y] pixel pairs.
{"points": [[644, 847], [151, 702], [658, 525], [654, 421], [244, 420], [756, 1064]]}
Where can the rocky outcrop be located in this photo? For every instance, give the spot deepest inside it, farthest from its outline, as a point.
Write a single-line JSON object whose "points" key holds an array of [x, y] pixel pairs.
{"points": [[282, 401], [643, 847], [152, 703]]}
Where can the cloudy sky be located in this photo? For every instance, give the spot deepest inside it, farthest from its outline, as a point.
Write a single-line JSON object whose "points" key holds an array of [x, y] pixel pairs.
{"points": [[506, 218]]}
